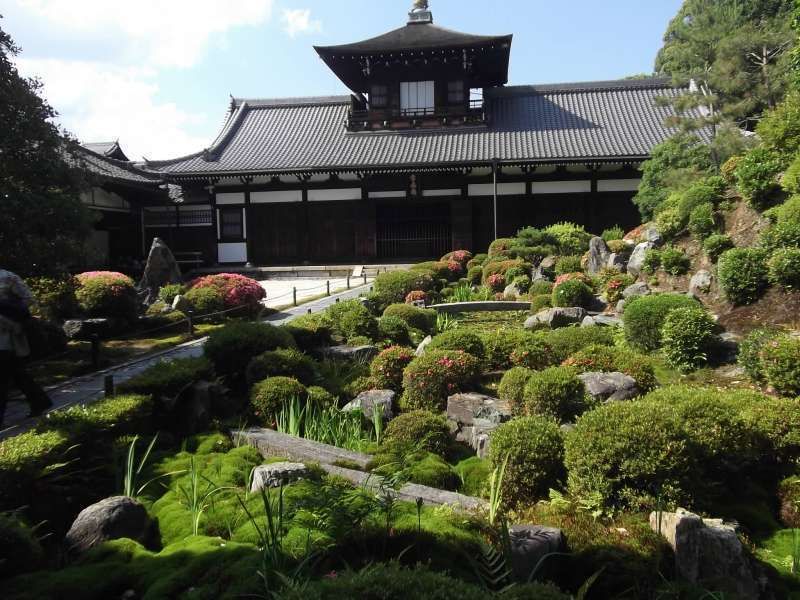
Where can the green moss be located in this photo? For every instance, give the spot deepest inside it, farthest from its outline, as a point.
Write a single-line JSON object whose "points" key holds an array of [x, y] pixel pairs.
{"points": [[474, 473], [20, 550]]}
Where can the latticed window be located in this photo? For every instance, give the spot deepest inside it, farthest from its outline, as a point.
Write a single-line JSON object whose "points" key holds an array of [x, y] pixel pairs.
{"points": [[379, 96], [455, 92], [416, 97], [230, 224]]}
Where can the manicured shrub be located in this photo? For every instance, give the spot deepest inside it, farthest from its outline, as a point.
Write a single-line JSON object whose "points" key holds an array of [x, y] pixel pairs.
{"points": [[776, 421], [232, 347], [644, 317], [20, 550], [780, 359], [462, 257], [784, 234], [267, 398], [416, 318], [500, 343], [512, 387], [311, 331], [541, 287], [496, 282], [743, 274], [626, 453], [106, 294], [431, 470], [500, 246], [715, 245], [541, 301], [670, 222], [532, 352], [55, 297], [167, 293], [475, 275], [652, 261], [386, 369], [779, 129], [702, 221], [568, 340], [619, 247], [205, 300], [615, 285], [429, 379], [418, 429], [610, 359], [286, 362], [534, 448], [237, 291], [351, 319], [750, 350], [572, 293], [320, 396], [459, 339], [614, 233], [572, 239], [394, 286], [757, 175], [784, 268], [394, 330], [568, 264], [436, 269], [522, 283], [168, 378], [556, 393], [674, 261], [687, 337]]}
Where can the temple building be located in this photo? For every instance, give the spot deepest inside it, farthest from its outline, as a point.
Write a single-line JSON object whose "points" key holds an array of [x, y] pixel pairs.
{"points": [[429, 151]]}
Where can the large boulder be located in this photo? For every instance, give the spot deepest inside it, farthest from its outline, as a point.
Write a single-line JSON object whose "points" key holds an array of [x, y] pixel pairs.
{"points": [[276, 474], [556, 317], [708, 552], [598, 256], [110, 519], [369, 401], [637, 258], [604, 387], [618, 261], [652, 235], [529, 544], [472, 418], [161, 269], [360, 353], [700, 283]]}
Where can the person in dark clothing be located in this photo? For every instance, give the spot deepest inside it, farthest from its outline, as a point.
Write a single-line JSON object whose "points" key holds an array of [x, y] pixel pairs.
{"points": [[15, 298]]}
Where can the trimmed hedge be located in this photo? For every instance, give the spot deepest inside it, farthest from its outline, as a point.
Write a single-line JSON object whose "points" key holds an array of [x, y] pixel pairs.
{"points": [[644, 317], [532, 352], [556, 393], [743, 274], [420, 430], [106, 294], [750, 352], [232, 347], [423, 319], [394, 286], [716, 245], [780, 359], [394, 330], [287, 362], [429, 379], [572, 293], [512, 387], [351, 319], [501, 343], [168, 378], [459, 339], [311, 331], [688, 337], [784, 268], [386, 369], [610, 359], [268, 397], [568, 340]]}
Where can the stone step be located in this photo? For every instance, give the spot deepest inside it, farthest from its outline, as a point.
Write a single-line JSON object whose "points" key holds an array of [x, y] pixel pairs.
{"points": [[273, 443]]}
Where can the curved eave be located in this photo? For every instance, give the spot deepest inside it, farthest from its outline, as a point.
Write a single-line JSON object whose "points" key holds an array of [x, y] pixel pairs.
{"points": [[363, 49]]}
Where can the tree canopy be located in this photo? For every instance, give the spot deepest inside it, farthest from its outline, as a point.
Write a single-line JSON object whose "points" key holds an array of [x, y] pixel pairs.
{"points": [[44, 223]]}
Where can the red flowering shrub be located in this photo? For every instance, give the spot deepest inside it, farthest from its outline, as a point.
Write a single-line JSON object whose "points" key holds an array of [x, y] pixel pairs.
{"points": [[456, 269], [615, 286], [573, 277], [386, 370], [234, 290], [106, 294], [496, 282], [462, 257], [429, 379], [417, 296]]}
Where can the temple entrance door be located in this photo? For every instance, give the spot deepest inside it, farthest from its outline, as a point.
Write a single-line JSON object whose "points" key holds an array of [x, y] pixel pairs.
{"points": [[413, 230]]}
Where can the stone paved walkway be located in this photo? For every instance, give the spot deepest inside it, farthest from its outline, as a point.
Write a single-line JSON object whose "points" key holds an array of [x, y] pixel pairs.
{"points": [[90, 388]]}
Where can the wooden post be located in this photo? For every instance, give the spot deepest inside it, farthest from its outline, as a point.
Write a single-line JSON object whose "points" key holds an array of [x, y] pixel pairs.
{"points": [[95, 339], [189, 314], [348, 281], [294, 296], [365, 277], [328, 288]]}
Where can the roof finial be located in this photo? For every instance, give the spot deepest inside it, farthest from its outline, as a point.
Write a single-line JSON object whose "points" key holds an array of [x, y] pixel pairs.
{"points": [[420, 12]]}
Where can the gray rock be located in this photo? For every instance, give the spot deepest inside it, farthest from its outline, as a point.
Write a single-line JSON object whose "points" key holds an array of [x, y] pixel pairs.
{"points": [[556, 317], [620, 307], [181, 303], [652, 235], [588, 322], [727, 348], [598, 256], [275, 474], [597, 304], [464, 409], [161, 269], [618, 261], [602, 321], [637, 258], [364, 353], [512, 291], [367, 401], [635, 290], [700, 283], [548, 262], [609, 386], [84, 329], [709, 550], [539, 274], [110, 519], [529, 544], [422, 346]]}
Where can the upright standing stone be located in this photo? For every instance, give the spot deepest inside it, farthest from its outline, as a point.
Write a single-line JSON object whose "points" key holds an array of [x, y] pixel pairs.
{"points": [[637, 258], [161, 269], [598, 256], [110, 519]]}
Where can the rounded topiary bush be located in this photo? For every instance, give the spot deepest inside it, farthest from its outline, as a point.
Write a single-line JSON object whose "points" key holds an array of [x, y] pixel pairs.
{"points": [[55, 297], [394, 286], [688, 336], [568, 264], [609, 359], [205, 300], [416, 318], [627, 453], [499, 344], [418, 429], [743, 274], [321, 397], [459, 339], [429, 379], [236, 291], [394, 330], [512, 387], [106, 294], [568, 340], [556, 393], [572, 293], [268, 397], [750, 349], [283, 361], [351, 319], [168, 292], [386, 369], [540, 302], [674, 261], [534, 448], [784, 268], [780, 360], [716, 245], [475, 275], [232, 347], [644, 317], [311, 331], [703, 221], [532, 352]]}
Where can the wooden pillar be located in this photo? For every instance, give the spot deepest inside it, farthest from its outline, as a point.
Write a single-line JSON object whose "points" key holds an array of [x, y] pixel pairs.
{"points": [[593, 207], [303, 225], [461, 222], [212, 200], [248, 213], [365, 226]]}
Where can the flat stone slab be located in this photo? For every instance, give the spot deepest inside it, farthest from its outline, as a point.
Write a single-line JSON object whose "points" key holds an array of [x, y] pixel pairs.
{"points": [[367, 402], [273, 443], [410, 492], [490, 306], [275, 474]]}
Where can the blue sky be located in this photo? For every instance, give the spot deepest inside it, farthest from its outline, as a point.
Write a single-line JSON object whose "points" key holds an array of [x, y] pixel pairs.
{"points": [[157, 73]]}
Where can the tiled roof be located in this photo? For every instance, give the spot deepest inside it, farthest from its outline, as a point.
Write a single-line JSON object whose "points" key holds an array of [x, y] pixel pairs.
{"points": [[114, 170], [538, 124]]}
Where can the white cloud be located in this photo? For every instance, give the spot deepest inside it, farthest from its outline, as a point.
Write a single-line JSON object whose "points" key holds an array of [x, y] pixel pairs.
{"points": [[172, 33], [298, 20], [99, 102]]}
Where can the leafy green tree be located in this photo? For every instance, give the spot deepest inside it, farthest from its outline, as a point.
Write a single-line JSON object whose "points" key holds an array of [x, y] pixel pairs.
{"points": [[44, 223]]}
